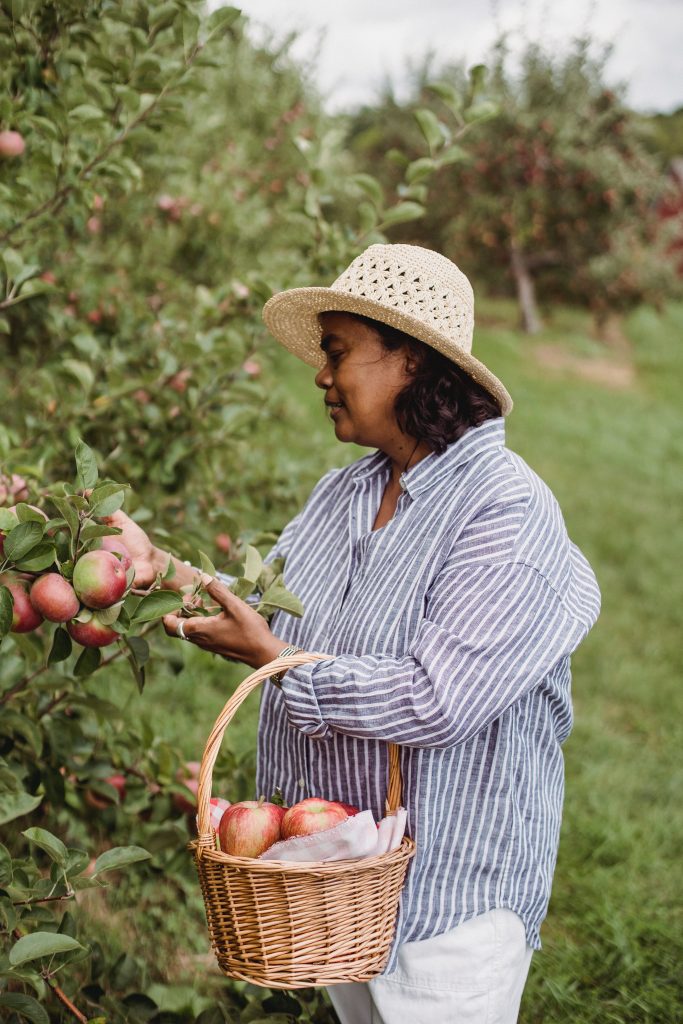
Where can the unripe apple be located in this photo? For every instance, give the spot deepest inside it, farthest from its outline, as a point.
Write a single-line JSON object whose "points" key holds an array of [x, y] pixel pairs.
{"points": [[113, 543], [249, 828], [312, 815], [54, 598], [11, 144], [92, 633], [99, 579], [25, 618]]}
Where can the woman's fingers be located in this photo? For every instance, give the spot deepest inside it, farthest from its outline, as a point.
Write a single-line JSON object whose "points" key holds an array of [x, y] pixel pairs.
{"points": [[220, 593]]}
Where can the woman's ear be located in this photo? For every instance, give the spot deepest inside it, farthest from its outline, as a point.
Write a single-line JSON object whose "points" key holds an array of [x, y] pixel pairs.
{"points": [[410, 364]]}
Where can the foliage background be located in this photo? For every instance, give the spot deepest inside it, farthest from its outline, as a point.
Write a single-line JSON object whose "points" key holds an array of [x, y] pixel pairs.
{"points": [[137, 327]]}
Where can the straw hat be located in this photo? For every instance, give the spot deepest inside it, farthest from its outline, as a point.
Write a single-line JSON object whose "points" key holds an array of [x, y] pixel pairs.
{"points": [[415, 290]]}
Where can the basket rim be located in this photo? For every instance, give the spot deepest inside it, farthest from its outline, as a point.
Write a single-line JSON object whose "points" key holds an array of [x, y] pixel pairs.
{"points": [[406, 848]]}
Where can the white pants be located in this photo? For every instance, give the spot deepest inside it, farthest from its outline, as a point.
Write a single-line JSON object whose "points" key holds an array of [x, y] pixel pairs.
{"points": [[474, 974]]}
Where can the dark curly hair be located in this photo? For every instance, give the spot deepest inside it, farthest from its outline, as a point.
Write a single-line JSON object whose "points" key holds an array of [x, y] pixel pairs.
{"points": [[441, 402]]}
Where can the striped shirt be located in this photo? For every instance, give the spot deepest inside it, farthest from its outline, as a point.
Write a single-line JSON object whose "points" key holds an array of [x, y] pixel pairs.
{"points": [[452, 629]]}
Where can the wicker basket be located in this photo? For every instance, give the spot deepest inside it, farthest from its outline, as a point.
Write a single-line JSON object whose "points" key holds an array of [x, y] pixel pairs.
{"points": [[293, 925]]}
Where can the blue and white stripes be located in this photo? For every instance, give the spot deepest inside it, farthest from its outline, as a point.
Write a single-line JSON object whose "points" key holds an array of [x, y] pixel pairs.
{"points": [[452, 628]]}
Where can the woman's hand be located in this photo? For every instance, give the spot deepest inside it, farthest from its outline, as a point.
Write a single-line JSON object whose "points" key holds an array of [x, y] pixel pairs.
{"points": [[237, 631]]}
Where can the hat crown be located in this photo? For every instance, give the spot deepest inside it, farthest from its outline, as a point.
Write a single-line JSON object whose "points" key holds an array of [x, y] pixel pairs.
{"points": [[416, 282]]}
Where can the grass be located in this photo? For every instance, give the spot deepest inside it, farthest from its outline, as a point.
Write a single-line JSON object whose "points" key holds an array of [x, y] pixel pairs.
{"points": [[614, 459]]}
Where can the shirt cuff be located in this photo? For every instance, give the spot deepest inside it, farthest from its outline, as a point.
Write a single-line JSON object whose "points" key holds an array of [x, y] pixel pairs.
{"points": [[301, 703]]}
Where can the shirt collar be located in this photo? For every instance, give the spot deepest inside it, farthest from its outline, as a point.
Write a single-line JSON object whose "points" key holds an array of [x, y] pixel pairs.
{"points": [[434, 470]]}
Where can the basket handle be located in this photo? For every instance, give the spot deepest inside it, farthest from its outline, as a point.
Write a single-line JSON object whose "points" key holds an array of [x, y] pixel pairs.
{"points": [[206, 833]]}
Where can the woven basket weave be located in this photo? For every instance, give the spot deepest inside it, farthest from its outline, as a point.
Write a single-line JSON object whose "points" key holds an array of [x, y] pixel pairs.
{"points": [[293, 925]]}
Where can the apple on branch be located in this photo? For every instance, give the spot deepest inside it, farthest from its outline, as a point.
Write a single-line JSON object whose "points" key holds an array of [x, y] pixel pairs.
{"points": [[99, 579]]}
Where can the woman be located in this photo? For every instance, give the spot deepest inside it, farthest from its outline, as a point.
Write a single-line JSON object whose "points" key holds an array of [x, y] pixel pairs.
{"points": [[439, 573]]}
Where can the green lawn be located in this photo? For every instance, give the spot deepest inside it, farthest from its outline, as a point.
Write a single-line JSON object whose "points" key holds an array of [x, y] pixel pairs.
{"points": [[614, 458]]}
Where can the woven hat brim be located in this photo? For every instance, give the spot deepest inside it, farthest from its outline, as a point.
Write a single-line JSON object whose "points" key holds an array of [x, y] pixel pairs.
{"points": [[292, 318]]}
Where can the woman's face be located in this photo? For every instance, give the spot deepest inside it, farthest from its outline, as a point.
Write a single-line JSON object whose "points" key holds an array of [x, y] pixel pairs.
{"points": [[361, 379]]}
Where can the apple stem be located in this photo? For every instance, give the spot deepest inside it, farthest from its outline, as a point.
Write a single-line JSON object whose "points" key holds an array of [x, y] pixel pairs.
{"points": [[261, 799]]}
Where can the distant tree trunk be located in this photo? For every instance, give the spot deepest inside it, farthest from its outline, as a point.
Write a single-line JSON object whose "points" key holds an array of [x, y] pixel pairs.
{"points": [[526, 293]]}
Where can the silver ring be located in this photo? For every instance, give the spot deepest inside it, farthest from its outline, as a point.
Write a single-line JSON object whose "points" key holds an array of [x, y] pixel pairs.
{"points": [[180, 630]]}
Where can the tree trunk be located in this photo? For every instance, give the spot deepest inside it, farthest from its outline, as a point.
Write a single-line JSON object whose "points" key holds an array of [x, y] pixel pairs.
{"points": [[526, 293]]}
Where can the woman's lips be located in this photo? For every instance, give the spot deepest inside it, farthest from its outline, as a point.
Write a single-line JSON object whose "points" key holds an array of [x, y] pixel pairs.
{"points": [[335, 408]]}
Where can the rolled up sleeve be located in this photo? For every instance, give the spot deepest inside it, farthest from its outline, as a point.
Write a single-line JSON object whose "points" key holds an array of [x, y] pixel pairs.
{"points": [[490, 634]]}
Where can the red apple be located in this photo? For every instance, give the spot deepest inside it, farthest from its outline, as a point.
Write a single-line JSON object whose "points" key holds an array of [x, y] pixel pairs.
{"points": [[249, 828], [99, 801], [92, 633], [114, 544], [11, 144], [312, 815], [189, 777], [349, 808], [25, 618], [223, 542], [54, 598], [99, 579]]}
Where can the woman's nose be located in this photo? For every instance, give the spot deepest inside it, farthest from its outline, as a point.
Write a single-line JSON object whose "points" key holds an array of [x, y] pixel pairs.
{"points": [[323, 378]]}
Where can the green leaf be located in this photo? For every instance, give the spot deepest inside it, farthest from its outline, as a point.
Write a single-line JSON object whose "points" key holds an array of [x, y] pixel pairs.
{"points": [[86, 112], [402, 213], [452, 155], [431, 128], [21, 539], [88, 662], [27, 1006], [253, 564], [107, 616], [39, 944], [13, 723], [483, 110], [53, 846], [26, 514], [420, 169], [277, 596], [120, 857], [92, 530], [61, 646], [40, 557], [14, 264], [6, 611], [8, 520], [449, 94], [108, 505], [206, 564], [6, 871], [478, 75], [139, 648], [170, 570], [81, 372], [155, 605], [86, 466], [68, 513], [221, 21], [16, 805], [370, 186]]}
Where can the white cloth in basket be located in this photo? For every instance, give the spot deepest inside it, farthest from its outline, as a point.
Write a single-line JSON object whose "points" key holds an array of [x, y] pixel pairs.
{"points": [[357, 836]]}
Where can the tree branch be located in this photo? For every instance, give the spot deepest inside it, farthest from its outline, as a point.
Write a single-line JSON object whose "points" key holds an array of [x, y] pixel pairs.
{"points": [[63, 998], [61, 194], [23, 683]]}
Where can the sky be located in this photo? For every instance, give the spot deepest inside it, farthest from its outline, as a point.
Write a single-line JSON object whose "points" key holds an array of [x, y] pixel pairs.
{"points": [[356, 44]]}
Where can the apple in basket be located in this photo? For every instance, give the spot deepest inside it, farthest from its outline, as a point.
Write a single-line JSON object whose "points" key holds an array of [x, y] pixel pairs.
{"points": [[314, 815], [247, 829]]}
